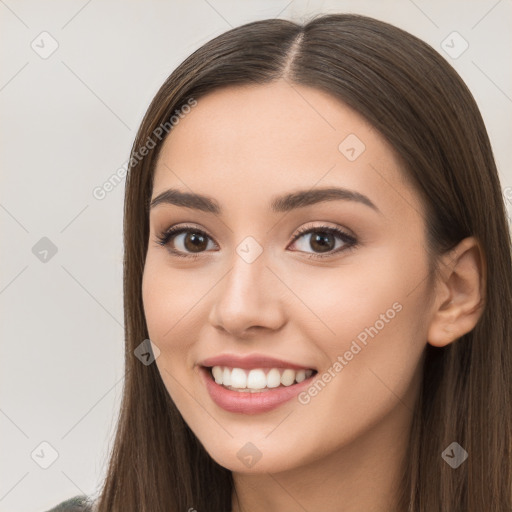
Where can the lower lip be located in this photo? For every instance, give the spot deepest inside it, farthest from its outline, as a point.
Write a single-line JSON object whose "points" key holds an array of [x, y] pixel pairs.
{"points": [[247, 402]]}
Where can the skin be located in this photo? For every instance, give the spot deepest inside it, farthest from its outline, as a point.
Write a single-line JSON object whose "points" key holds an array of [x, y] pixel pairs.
{"points": [[242, 146]]}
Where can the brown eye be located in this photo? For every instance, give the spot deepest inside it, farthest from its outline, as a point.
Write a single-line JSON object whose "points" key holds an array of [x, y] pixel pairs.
{"points": [[322, 239], [183, 240], [322, 242], [194, 242]]}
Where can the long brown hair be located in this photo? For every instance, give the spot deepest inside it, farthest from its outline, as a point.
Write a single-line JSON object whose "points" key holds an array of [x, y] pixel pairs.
{"points": [[409, 93]]}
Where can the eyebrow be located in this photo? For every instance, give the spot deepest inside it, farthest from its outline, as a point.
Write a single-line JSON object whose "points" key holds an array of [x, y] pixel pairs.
{"points": [[284, 203]]}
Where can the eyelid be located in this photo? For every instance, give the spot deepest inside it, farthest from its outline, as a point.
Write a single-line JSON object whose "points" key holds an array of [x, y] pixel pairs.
{"points": [[309, 227]]}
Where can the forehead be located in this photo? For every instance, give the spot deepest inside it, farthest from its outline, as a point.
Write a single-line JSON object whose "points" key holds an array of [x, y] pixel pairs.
{"points": [[260, 140]]}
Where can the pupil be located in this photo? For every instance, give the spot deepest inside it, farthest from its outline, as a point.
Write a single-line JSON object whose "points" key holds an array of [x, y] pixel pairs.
{"points": [[196, 240], [322, 241]]}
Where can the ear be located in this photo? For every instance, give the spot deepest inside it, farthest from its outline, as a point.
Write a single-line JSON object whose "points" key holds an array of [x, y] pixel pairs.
{"points": [[460, 293]]}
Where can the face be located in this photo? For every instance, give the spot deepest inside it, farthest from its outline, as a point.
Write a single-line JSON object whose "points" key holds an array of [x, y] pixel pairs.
{"points": [[334, 284]]}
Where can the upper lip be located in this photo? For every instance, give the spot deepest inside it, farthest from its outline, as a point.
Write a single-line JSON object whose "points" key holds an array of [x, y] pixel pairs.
{"points": [[252, 361]]}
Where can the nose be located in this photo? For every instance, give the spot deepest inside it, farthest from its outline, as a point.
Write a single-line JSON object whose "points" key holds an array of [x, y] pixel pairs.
{"points": [[248, 300]]}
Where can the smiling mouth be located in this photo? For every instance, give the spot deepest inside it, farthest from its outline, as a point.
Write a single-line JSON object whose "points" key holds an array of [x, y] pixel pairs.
{"points": [[257, 380]]}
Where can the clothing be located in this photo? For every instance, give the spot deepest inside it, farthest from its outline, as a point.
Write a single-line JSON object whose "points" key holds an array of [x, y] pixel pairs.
{"points": [[80, 503]]}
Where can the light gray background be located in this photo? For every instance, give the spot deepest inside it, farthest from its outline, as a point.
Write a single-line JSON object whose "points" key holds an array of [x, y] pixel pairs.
{"points": [[67, 124]]}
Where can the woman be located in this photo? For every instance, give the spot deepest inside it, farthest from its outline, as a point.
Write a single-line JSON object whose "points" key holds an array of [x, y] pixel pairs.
{"points": [[317, 247]]}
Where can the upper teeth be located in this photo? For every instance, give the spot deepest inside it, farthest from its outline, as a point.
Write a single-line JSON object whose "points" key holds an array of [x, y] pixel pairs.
{"points": [[257, 378]]}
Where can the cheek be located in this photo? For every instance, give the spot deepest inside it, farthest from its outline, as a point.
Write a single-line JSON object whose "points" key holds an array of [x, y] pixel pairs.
{"points": [[374, 311], [168, 298], [168, 306], [383, 288], [167, 294]]}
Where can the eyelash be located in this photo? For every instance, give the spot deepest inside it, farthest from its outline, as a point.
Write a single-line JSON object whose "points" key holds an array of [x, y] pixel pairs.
{"points": [[350, 242]]}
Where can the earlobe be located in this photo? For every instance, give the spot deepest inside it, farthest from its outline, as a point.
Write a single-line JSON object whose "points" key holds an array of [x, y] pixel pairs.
{"points": [[460, 293]]}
